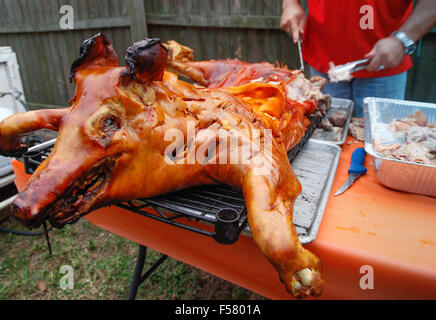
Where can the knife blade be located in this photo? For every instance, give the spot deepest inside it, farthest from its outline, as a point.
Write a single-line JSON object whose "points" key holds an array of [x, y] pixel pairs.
{"points": [[300, 54], [355, 170]]}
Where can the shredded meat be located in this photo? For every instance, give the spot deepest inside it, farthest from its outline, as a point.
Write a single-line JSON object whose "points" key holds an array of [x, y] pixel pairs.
{"points": [[416, 140]]}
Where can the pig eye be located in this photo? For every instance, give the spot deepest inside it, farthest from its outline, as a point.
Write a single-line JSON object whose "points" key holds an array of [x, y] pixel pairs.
{"points": [[109, 124]]}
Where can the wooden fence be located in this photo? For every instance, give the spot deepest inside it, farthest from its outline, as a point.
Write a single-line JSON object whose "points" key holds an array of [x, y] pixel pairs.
{"points": [[246, 29]]}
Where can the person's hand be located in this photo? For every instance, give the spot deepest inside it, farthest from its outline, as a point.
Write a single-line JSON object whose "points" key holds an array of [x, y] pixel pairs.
{"points": [[293, 20], [387, 53]]}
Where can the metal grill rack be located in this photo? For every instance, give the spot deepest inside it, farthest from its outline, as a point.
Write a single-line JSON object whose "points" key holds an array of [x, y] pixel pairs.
{"points": [[217, 205]]}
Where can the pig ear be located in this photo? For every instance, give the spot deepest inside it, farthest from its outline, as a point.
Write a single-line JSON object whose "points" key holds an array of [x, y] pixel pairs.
{"points": [[146, 60], [96, 51]]}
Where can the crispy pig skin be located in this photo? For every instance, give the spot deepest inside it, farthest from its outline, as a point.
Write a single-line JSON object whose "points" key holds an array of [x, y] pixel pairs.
{"points": [[112, 144]]}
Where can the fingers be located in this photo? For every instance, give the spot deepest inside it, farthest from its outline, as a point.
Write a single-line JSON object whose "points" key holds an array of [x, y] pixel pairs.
{"points": [[298, 28], [375, 63], [295, 31], [302, 24], [292, 29], [376, 60], [285, 25], [292, 21], [387, 52]]}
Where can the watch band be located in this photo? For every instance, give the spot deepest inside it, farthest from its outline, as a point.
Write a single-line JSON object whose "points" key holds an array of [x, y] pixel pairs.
{"points": [[409, 45]]}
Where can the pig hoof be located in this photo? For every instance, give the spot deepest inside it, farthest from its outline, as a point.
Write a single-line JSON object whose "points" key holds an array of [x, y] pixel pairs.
{"points": [[306, 282]]}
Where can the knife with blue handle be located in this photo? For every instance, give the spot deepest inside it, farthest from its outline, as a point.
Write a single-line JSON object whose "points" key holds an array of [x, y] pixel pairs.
{"points": [[355, 170]]}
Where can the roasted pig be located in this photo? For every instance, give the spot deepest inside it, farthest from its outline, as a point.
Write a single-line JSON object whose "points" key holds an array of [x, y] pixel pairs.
{"points": [[138, 131]]}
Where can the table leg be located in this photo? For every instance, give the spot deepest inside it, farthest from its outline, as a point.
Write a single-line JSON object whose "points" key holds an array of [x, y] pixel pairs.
{"points": [[137, 277], [136, 280]]}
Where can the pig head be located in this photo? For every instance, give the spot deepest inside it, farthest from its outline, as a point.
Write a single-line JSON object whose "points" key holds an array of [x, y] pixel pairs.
{"points": [[105, 145]]}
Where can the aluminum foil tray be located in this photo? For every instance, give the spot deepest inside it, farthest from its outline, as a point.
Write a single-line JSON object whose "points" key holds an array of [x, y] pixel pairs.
{"points": [[315, 167], [396, 174], [336, 105]]}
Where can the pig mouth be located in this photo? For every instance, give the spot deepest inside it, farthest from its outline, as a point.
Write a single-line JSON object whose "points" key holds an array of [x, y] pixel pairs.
{"points": [[84, 195]]}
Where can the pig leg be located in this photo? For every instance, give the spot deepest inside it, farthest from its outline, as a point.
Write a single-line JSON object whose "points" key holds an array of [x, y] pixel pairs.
{"points": [[17, 125], [269, 209], [269, 199]]}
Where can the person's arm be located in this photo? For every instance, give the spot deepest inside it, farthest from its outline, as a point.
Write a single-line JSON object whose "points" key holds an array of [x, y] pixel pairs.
{"points": [[422, 19], [389, 52], [293, 18]]}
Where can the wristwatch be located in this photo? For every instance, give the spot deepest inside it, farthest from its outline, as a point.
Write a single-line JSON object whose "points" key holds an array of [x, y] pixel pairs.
{"points": [[409, 45]]}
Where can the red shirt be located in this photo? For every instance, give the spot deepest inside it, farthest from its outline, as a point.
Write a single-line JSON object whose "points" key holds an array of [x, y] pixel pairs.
{"points": [[333, 32]]}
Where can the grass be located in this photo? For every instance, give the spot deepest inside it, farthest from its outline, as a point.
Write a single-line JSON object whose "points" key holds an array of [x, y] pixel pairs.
{"points": [[103, 265]]}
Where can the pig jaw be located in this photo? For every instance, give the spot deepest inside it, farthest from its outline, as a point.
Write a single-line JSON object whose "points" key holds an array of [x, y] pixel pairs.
{"points": [[38, 203]]}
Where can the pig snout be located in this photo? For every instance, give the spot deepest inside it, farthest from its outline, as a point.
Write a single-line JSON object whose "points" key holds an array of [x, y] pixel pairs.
{"points": [[27, 214]]}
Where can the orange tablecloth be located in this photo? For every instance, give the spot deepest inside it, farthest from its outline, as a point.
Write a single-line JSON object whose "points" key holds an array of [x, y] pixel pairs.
{"points": [[369, 225]]}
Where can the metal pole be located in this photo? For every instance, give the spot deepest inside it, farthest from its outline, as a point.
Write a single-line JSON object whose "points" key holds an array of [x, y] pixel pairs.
{"points": [[136, 281], [6, 203]]}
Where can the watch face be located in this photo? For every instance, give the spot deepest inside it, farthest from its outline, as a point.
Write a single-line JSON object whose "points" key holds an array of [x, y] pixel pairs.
{"points": [[411, 48]]}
